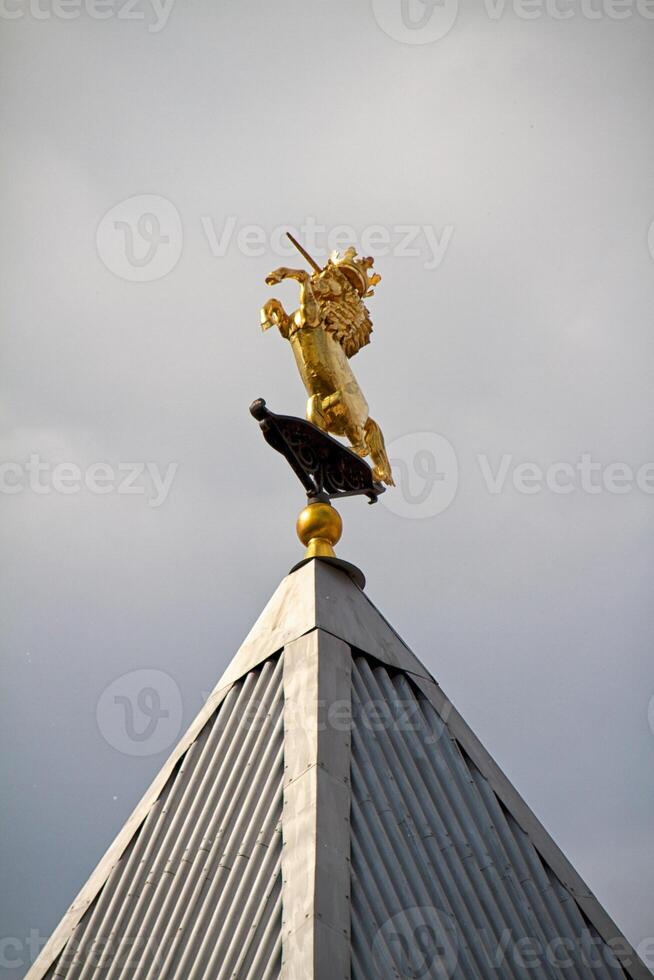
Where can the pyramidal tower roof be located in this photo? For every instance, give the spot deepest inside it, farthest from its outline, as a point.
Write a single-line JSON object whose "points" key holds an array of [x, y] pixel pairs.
{"points": [[330, 815]]}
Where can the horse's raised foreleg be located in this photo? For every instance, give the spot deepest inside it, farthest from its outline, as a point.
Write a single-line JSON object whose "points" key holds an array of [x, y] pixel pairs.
{"points": [[273, 314], [308, 313], [277, 275]]}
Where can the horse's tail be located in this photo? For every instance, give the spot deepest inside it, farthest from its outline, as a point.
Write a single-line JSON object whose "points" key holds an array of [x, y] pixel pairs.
{"points": [[375, 443]]}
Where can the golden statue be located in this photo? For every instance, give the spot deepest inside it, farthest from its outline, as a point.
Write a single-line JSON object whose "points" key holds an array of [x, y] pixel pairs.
{"points": [[330, 325]]}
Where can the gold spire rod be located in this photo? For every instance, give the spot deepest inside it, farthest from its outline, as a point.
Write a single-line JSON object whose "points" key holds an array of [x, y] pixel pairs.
{"points": [[304, 252]]}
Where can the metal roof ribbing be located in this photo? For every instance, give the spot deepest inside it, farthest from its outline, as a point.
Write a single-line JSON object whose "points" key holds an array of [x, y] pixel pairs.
{"points": [[437, 860], [198, 891], [447, 859]]}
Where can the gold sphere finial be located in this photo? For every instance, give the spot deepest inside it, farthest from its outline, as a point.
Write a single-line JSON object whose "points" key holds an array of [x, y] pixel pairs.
{"points": [[319, 527]]}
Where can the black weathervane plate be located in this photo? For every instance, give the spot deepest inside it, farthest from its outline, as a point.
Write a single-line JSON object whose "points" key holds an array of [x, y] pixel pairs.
{"points": [[324, 466]]}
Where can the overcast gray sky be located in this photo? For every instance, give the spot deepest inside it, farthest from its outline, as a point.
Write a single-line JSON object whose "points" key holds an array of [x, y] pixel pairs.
{"points": [[499, 166]]}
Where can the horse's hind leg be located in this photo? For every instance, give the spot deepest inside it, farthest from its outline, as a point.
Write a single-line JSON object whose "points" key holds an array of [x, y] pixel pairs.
{"points": [[375, 444], [357, 437], [332, 414], [315, 413]]}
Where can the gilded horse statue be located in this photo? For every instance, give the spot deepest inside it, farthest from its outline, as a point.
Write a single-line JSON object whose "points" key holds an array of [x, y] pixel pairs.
{"points": [[330, 325]]}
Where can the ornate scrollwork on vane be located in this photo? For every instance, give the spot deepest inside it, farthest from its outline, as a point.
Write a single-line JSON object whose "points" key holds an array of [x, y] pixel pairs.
{"points": [[325, 467]]}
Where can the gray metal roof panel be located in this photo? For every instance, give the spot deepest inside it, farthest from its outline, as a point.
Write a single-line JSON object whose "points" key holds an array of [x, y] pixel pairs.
{"points": [[197, 893], [445, 883]]}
